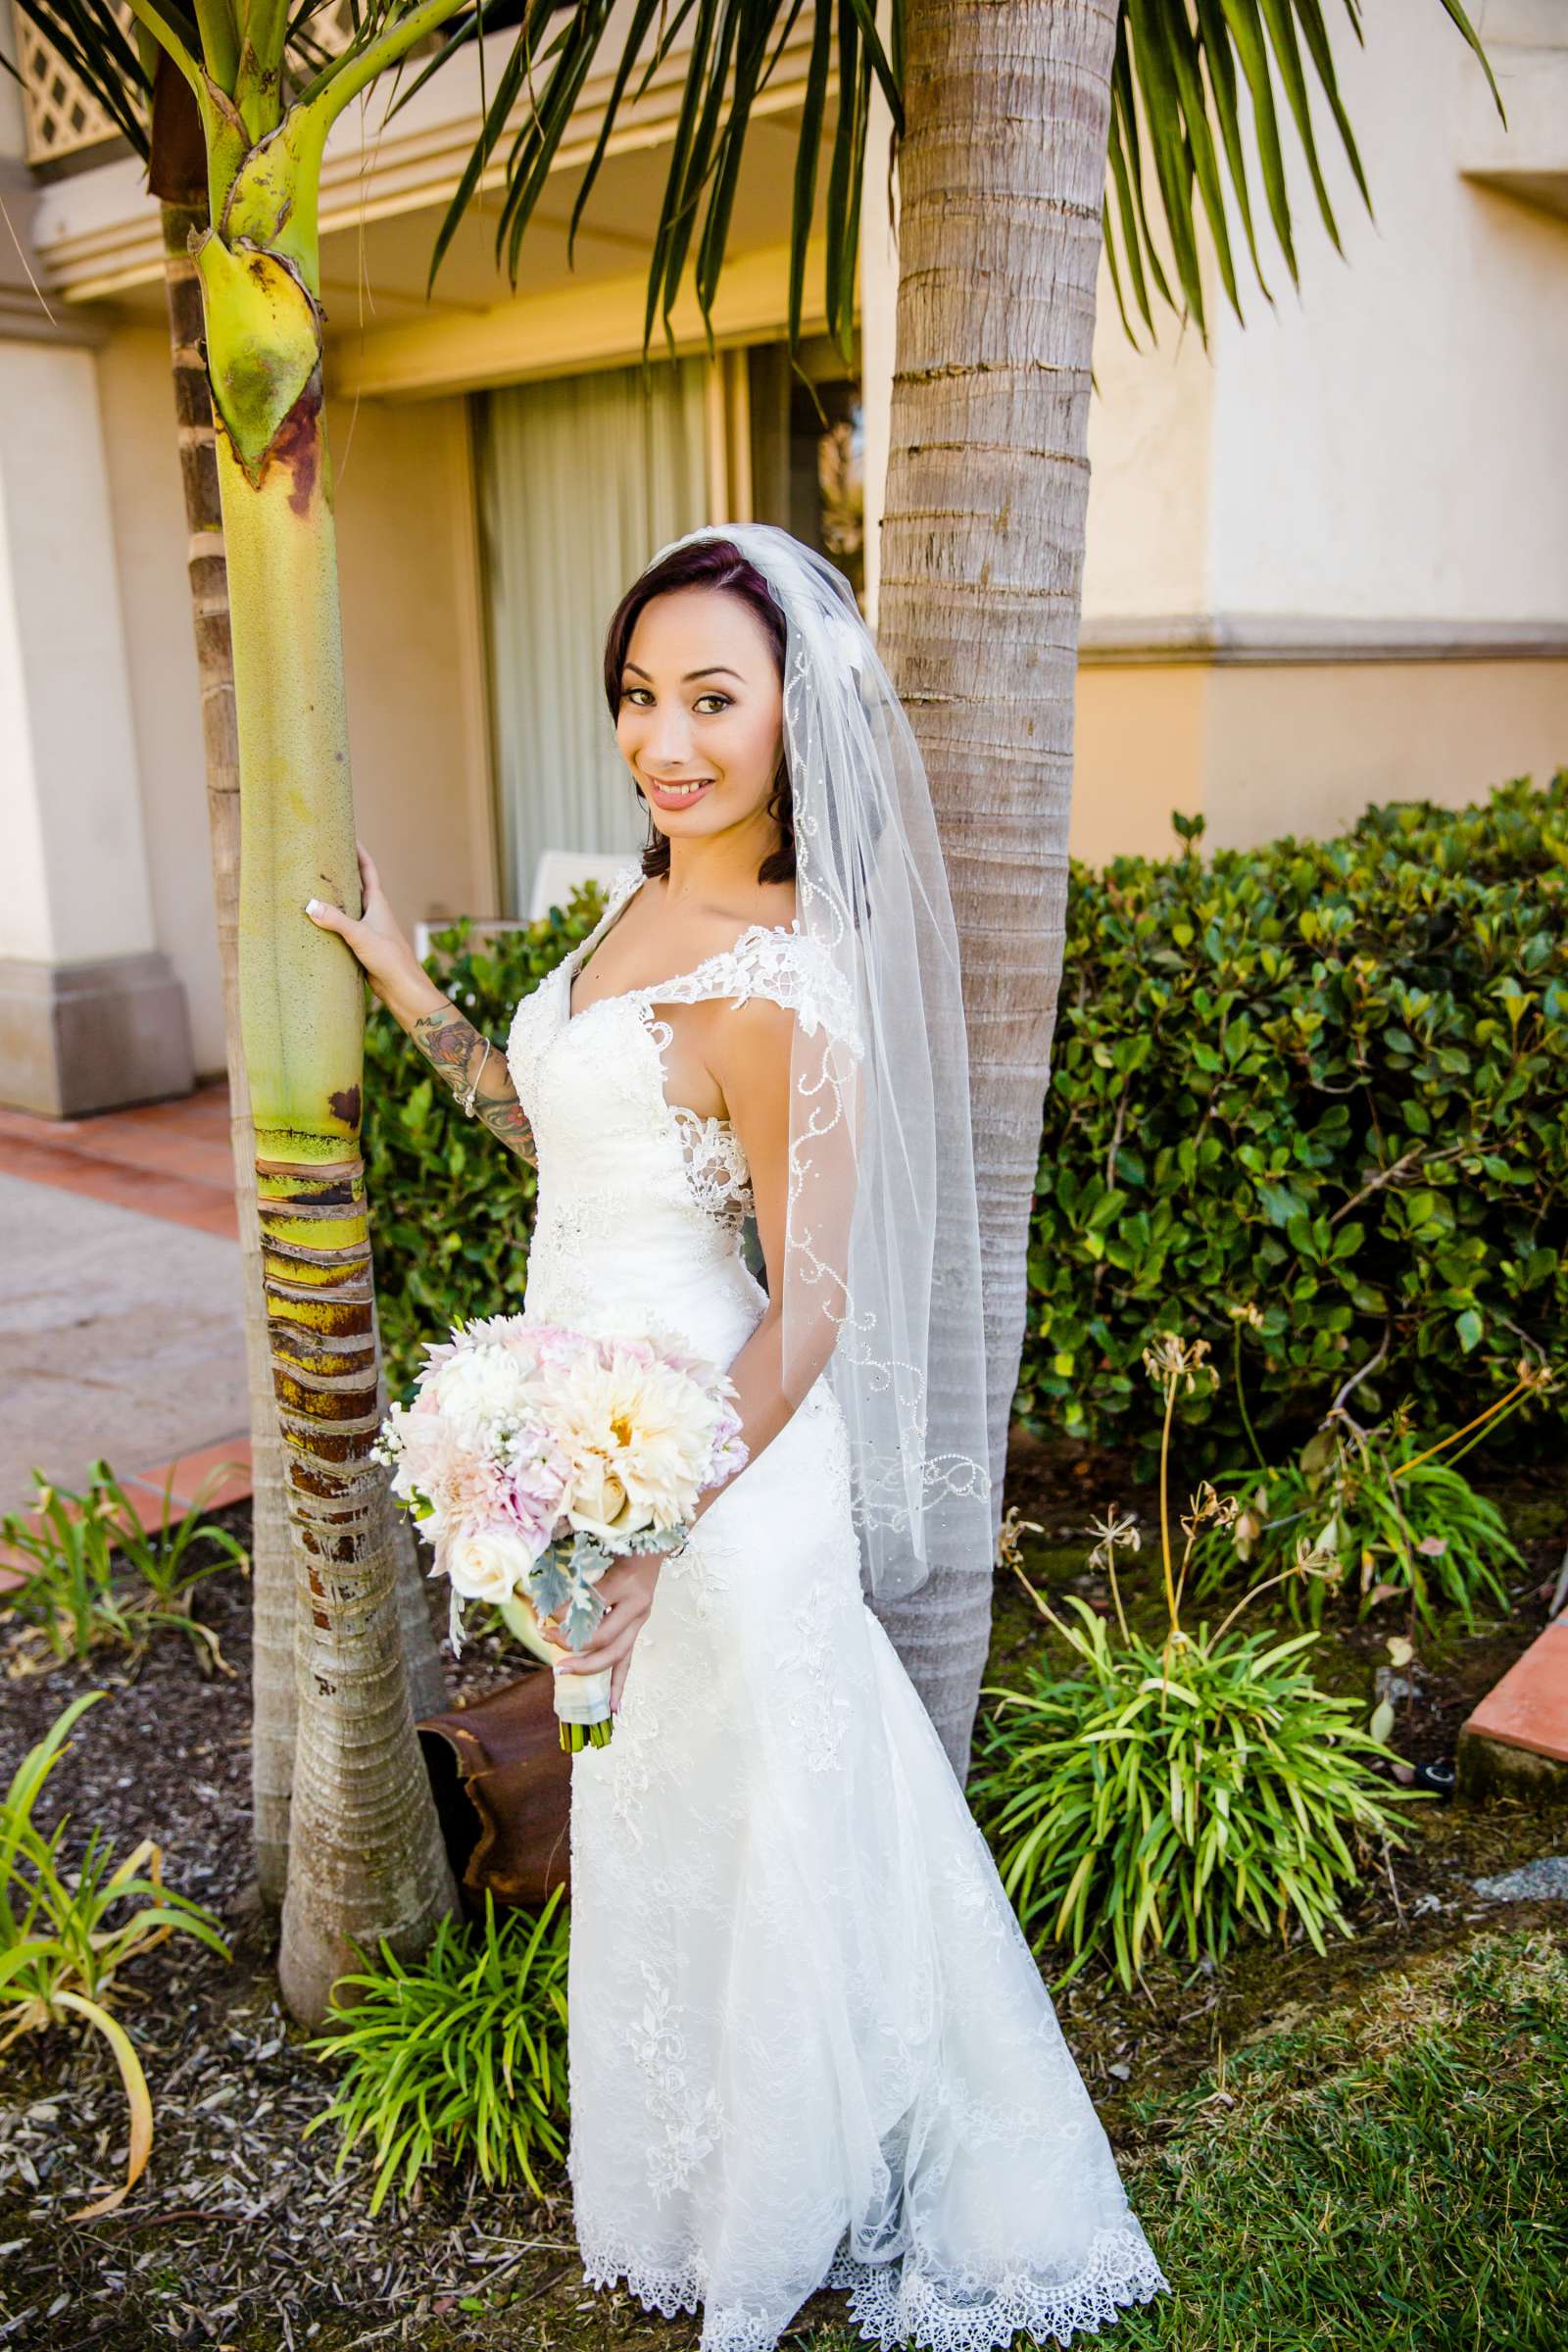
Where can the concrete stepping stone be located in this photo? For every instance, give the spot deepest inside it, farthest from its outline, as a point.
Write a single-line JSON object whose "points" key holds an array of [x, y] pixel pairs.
{"points": [[1518, 1736]]}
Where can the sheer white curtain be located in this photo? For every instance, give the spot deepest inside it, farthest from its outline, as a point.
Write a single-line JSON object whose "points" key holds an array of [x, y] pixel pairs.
{"points": [[581, 480]]}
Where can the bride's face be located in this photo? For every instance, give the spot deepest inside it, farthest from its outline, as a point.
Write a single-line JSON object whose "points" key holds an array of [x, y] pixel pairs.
{"points": [[702, 711]]}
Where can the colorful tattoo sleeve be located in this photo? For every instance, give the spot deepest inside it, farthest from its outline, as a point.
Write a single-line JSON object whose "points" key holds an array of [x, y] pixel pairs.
{"points": [[456, 1051]]}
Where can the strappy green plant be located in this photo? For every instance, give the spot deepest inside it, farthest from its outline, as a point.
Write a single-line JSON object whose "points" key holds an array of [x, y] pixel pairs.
{"points": [[1172, 1794], [1151, 1799], [1391, 1521], [97, 1576], [459, 2056], [66, 1934]]}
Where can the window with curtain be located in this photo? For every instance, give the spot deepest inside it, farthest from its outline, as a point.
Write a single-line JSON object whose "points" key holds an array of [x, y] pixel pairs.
{"points": [[808, 450], [581, 480]]}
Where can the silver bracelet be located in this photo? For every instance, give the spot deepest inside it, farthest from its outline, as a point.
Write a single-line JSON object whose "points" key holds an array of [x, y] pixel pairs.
{"points": [[473, 1084]]}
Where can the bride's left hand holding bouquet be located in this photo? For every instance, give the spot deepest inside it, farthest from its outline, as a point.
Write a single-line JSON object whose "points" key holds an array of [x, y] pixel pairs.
{"points": [[534, 1457]]}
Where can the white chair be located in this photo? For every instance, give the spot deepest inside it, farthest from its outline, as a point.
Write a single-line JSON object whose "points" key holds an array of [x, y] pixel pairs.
{"points": [[559, 871], [555, 880]]}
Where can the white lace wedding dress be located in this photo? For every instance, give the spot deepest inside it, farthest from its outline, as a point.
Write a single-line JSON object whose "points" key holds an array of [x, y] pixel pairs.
{"points": [[808, 2043]]}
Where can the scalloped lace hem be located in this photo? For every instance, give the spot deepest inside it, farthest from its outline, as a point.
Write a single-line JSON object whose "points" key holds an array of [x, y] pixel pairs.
{"points": [[890, 2309]]}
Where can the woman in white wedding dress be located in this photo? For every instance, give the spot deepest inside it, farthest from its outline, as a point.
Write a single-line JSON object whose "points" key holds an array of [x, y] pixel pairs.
{"points": [[808, 2042]]}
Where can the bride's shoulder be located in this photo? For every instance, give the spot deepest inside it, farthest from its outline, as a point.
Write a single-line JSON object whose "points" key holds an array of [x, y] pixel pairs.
{"points": [[784, 965]]}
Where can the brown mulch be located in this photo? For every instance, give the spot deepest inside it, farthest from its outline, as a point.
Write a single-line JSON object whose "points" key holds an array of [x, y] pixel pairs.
{"points": [[240, 2231]]}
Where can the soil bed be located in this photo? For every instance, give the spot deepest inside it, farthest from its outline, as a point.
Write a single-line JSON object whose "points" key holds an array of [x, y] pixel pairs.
{"points": [[241, 2235]]}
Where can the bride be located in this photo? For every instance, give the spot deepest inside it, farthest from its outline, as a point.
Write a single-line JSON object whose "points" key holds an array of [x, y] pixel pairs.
{"points": [[808, 2046]]}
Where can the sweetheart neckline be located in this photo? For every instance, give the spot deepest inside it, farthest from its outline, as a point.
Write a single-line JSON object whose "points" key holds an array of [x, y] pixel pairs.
{"points": [[652, 990]]}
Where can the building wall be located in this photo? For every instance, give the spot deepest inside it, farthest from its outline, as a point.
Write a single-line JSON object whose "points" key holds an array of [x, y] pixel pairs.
{"points": [[1305, 748], [1309, 546], [412, 650], [411, 647], [1140, 752], [147, 505], [1151, 470], [1389, 443]]}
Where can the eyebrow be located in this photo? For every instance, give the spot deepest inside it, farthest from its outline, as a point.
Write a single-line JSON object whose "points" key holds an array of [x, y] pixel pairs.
{"points": [[715, 669]]}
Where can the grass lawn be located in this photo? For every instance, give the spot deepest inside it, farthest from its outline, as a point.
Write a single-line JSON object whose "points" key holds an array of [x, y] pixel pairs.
{"points": [[1395, 2172]]}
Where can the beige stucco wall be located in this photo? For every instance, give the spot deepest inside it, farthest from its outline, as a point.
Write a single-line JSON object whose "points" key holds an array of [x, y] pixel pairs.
{"points": [[1141, 750], [1150, 439], [1372, 464], [149, 524], [1304, 749], [1388, 441], [1265, 749], [412, 650]]}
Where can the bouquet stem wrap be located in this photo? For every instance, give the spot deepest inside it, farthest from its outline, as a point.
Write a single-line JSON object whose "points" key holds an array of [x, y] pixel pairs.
{"points": [[582, 1700]]}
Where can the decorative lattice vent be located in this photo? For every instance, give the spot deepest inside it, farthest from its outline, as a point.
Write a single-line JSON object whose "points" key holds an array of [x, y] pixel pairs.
{"points": [[63, 117]]}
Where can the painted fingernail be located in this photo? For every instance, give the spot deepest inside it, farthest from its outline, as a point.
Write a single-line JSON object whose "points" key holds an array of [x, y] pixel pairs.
{"points": [[313, 906]]}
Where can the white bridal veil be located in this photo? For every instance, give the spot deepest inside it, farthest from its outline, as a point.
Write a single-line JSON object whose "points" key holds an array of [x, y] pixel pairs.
{"points": [[882, 1242]]}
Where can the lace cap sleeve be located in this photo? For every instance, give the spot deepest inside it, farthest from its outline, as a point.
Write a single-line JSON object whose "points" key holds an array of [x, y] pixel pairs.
{"points": [[797, 972]]}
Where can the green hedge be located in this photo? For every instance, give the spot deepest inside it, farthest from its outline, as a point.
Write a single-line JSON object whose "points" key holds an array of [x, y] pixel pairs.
{"points": [[1326, 1078], [1329, 1079]]}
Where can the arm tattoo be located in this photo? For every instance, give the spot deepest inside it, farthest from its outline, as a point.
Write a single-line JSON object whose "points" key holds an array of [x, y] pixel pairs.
{"points": [[456, 1051]]}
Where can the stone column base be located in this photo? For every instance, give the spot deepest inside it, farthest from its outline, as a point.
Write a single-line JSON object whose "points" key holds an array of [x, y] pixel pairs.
{"points": [[83, 1036]]}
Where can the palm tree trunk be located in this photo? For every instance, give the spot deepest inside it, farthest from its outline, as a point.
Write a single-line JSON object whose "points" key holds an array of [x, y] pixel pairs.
{"points": [[365, 1857], [1001, 175], [272, 1557], [272, 1695]]}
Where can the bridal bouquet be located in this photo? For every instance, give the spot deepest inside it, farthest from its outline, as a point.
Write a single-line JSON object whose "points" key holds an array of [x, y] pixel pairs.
{"points": [[531, 1457]]}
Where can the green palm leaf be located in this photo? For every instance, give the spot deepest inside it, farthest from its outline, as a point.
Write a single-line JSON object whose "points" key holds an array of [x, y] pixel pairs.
{"points": [[1195, 105], [1177, 104]]}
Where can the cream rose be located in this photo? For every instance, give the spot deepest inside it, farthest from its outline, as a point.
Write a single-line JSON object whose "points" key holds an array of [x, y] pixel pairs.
{"points": [[600, 1505], [486, 1564]]}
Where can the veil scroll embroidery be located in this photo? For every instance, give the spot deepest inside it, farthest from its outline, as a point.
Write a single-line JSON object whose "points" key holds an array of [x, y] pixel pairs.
{"points": [[881, 1276]]}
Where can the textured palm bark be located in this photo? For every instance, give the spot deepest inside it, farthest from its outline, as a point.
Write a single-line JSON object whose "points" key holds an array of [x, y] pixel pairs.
{"points": [[1001, 175], [272, 1693]]}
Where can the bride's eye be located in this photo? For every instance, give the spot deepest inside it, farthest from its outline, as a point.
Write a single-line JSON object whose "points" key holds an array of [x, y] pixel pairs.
{"points": [[716, 702], [631, 694]]}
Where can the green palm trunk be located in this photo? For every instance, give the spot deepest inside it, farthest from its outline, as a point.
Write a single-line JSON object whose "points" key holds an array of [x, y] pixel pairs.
{"points": [[366, 1859]]}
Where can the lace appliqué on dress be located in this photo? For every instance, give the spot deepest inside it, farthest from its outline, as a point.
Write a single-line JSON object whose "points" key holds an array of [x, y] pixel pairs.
{"points": [[688, 2115], [716, 1165]]}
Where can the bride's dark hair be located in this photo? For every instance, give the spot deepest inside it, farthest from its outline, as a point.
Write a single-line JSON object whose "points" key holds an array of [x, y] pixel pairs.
{"points": [[706, 563]]}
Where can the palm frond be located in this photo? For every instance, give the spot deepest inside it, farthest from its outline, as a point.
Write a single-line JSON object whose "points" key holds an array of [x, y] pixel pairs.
{"points": [[1196, 95], [728, 52], [1198, 91]]}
